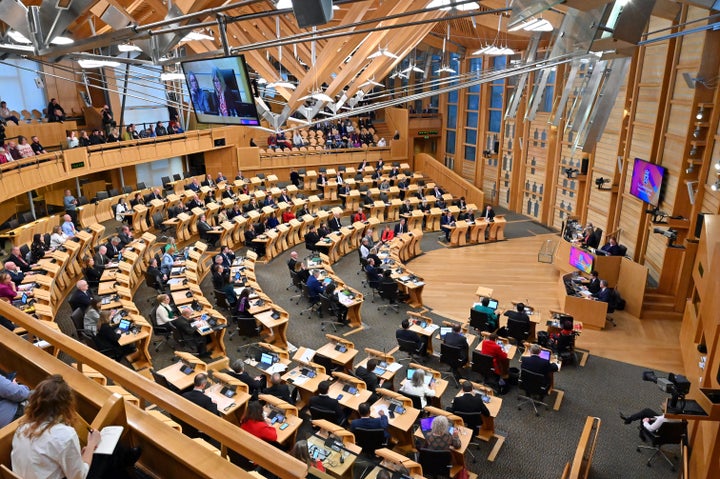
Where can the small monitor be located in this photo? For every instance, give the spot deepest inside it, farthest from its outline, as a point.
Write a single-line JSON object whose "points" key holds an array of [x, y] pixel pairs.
{"points": [[581, 260], [124, 325], [266, 358], [545, 354]]}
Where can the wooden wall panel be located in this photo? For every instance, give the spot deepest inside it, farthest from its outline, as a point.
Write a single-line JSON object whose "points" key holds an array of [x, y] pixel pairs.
{"points": [[536, 167]]}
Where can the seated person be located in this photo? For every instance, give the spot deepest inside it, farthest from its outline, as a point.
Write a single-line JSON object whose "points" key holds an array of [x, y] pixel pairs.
{"points": [[612, 248], [255, 384], [374, 274], [12, 397], [190, 334], [388, 234], [405, 334], [594, 284], [534, 363], [366, 373], [605, 293], [323, 401], [197, 394], [469, 401], [401, 227], [359, 215], [492, 317], [315, 287], [288, 215], [457, 339], [256, 424], [342, 310], [311, 238], [257, 246], [164, 313], [365, 421], [107, 337], [501, 363], [417, 387], [519, 314], [446, 221], [439, 437], [651, 421], [279, 389], [298, 267]]}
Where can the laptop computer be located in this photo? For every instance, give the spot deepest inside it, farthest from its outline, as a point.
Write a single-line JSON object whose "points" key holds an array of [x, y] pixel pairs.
{"points": [[545, 354], [444, 330], [493, 304], [266, 360]]}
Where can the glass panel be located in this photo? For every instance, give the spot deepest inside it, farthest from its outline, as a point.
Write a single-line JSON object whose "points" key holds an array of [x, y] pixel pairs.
{"points": [[472, 119], [450, 143], [495, 120], [470, 153], [496, 97], [470, 136], [473, 102], [453, 97], [452, 116]]}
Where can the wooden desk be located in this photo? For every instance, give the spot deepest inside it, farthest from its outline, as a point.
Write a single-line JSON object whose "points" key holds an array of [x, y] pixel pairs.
{"points": [[179, 379], [348, 399], [497, 228], [307, 386], [392, 461], [276, 327], [464, 434], [427, 331], [287, 435], [400, 425], [510, 349], [232, 407], [344, 359], [487, 430], [389, 371], [334, 465]]}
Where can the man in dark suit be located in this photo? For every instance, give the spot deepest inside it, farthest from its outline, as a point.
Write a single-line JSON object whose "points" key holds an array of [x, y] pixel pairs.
{"points": [[194, 185], [611, 247], [405, 334], [519, 314], [250, 235], [204, 229], [295, 178], [220, 177], [255, 384], [335, 224], [125, 236], [438, 192], [311, 238], [489, 213], [469, 401], [190, 334], [534, 363], [100, 257], [228, 193], [15, 273], [279, 389], [368, 376], [456, 339], [155, 195], [323, 401], [401, 227], [198, 396], [284, 197], [252, 205], [367, 422], [81, 297], [315, 287], [446, 221], [112, 247], [406, 208], [594, 285], [16, 257], [605, 293], [227, 256]]}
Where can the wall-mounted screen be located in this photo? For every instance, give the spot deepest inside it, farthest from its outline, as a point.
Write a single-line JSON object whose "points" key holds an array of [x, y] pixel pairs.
{"points": [[581, 260], [647, 180], [220, 91]]}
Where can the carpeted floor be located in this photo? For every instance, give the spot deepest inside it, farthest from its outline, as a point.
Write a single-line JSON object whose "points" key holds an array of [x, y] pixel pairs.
{"points": [[536, 447]]}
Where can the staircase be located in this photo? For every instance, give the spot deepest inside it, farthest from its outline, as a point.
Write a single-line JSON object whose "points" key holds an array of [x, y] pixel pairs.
{"points": [[382, 130], [659, 306]]}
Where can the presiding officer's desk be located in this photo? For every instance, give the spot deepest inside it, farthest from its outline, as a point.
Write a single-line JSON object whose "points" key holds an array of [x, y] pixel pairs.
{"points": [[627, 276]]}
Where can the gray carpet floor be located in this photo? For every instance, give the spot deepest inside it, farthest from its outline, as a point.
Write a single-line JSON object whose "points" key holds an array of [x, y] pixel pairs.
{"points": [[536, 447]]}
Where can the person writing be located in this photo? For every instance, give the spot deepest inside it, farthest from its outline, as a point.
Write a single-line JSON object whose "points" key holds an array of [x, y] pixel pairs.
{"points": [[46, 446], [365, 421]]}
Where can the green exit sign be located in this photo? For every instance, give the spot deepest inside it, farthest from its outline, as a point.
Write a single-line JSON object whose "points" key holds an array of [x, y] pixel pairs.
{"points": [[75, 166], [427, 132]]}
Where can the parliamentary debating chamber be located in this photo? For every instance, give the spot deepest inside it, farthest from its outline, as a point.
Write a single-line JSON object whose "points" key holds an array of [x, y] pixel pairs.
{"points": [[218, 217]]}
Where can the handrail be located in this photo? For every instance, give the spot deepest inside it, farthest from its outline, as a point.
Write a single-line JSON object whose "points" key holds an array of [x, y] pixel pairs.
{"points": [[226, 433]]}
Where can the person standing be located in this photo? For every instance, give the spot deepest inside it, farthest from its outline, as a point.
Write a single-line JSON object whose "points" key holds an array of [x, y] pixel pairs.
{"points": [[70, 204]]}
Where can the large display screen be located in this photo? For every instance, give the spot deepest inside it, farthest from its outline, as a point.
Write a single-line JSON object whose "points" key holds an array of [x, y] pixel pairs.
{"points": [[220, 91], [647, 181], [581, 260]]}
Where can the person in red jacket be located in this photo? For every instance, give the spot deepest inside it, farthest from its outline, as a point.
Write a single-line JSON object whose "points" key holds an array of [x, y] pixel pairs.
{"points": [[288, 215], [500, 358], [256, 424], [359, 216], [388, 234]]}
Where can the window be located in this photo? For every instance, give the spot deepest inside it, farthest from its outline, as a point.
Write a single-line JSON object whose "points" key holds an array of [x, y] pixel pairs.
{"points": [[450, 144], [452, 116], [470, 153], [472, 119], [17, 84]]}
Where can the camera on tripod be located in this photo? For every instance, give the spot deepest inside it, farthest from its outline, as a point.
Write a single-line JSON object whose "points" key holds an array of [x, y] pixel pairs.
{"points": [[675, 384]]}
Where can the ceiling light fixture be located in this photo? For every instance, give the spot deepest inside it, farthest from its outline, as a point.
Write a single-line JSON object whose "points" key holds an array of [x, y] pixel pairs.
{"points": [[717, 165], [128, 47], [700, 113], [533, 25], [61, 40], [383, 52], [320, 96], [18, 37], [371, 82], [281, 84], [97, 63], [716, 185], [446, 5], [195, 36], [24, 48]]}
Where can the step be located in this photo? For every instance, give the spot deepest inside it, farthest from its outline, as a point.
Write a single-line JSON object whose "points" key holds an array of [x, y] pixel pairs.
{"points": [[671, 315], [659, 306]]}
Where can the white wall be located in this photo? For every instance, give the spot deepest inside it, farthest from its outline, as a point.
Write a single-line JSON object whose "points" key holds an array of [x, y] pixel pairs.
{"points": [[151, 173]]}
